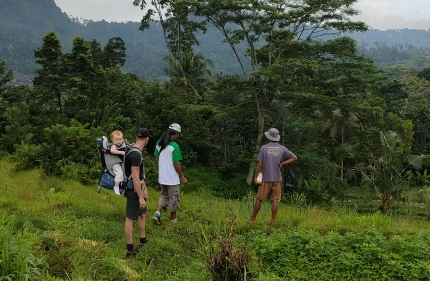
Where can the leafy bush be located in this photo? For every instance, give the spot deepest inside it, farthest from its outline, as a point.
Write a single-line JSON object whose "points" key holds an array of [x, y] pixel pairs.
{"points": [[65, 145], [27, 156], [308, 255], [84, 174]]}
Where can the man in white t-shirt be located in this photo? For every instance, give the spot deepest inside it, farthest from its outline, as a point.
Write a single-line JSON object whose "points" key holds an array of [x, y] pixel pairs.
{"points": [[167, 156]]}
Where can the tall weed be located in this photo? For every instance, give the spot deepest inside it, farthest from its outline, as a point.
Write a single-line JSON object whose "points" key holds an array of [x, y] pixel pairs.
{"points": [[18, 259]]}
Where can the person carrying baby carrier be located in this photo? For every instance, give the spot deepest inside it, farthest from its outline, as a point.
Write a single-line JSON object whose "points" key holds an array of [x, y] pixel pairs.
{"points": [[136, 192]]}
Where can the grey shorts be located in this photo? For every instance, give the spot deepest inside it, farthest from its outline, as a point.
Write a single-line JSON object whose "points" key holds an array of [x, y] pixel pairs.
{"points": [[170, 195], [132, 210]]}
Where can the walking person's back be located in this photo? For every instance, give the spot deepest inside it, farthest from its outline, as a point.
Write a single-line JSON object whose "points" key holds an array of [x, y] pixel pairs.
{"points": [[168, 156], [271, 158]]}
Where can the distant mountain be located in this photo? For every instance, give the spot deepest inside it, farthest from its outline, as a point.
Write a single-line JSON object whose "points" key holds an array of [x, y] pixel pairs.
{"points": [[414, 37], [23, 23]]}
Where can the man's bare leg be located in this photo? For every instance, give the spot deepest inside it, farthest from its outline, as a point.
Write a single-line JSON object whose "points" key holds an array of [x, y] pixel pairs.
{"points": [[128, 230], [257, 207], [141, 224], [275, 205]]}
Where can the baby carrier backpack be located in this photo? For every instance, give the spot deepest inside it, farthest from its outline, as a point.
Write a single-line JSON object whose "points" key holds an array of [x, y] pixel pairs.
{"points": [[107, 178]]}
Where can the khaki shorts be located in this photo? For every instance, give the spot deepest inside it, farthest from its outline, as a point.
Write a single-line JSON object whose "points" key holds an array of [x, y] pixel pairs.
{"points": [[170, 195], [270, 187]]}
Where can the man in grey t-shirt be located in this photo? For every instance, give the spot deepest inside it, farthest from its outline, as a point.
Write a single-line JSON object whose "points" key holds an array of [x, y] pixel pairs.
{"points": [[271, 158]]}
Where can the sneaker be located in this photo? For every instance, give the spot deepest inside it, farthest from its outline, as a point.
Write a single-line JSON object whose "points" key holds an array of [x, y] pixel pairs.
{"points": [[132, 253], [156, 218]]}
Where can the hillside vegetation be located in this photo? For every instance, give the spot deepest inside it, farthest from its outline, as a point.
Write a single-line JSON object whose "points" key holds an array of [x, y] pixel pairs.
{"points": [[355, 203], [306, 243]]}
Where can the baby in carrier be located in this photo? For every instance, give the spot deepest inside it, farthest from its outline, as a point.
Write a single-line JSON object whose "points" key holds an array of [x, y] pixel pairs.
{"points": [[117, 148]]}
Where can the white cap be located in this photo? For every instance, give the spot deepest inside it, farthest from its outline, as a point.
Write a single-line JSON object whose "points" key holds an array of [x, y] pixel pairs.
{"points": [[176, 127]]}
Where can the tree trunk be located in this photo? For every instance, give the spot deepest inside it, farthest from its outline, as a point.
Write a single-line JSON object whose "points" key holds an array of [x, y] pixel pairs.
{"points": [[385, 205], [250, 176]]}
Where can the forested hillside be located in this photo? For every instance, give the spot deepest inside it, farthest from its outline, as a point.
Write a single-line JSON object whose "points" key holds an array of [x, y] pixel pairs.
{"points": [[23, 24]]}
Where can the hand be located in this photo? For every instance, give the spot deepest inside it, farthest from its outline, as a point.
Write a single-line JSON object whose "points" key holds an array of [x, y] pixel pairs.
{"points": [[145, 194], [184, 180], [142, 203]]}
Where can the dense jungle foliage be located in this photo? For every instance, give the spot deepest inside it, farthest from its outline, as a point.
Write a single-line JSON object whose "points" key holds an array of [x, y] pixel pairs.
{"points": [[349, 124]]}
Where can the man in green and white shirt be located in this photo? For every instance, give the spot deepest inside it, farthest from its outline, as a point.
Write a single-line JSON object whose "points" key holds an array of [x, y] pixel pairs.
{"points": [[167, 156]]}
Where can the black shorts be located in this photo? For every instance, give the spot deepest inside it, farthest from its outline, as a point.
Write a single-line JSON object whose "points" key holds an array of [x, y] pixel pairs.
{"points": [[132, 210]]}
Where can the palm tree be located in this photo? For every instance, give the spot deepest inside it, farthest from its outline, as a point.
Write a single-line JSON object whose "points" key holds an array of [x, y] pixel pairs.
{"points": [[387, 173], [341, 118], [189, 72]]}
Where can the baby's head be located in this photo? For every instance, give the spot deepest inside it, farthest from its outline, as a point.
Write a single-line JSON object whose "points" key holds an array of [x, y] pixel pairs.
{"points": [[117, 138]]}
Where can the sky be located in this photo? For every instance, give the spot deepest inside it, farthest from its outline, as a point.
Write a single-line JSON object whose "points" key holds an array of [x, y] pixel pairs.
{"points": [[378, 14]]}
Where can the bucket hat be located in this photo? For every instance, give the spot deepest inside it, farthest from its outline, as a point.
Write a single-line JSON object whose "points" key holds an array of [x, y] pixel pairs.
{"points": [[272, 134]]}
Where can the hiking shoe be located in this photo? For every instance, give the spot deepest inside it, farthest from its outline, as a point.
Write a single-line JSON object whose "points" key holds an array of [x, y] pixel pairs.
{"points": [[141, 244], [156, 218], [132, 253]]}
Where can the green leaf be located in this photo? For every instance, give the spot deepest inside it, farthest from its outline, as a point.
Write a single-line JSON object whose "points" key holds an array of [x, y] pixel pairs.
{"points": [[49, 242], [18, 221], [41, 224]]}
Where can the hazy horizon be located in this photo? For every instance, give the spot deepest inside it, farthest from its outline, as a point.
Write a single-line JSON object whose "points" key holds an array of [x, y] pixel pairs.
{"points": [[381, 14]]}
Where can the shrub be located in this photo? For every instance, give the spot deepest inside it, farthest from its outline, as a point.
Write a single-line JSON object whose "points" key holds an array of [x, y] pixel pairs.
{"points": [[27, 156]]}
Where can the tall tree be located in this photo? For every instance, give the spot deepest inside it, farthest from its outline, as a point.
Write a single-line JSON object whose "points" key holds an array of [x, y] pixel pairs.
{"points": [[5, 77], [268, 30], [416, 108], [82, 74], [114, 53], [174, 18], [50, 80]]}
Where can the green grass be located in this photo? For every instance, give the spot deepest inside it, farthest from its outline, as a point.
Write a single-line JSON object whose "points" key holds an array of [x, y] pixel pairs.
{"points": [[88, 227]]}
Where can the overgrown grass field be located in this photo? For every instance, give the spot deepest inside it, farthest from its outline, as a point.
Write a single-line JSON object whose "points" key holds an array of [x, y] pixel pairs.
{"points": [[306, 243]]}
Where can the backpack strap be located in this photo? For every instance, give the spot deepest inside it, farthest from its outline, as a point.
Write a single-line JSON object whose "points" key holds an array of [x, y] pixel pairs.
{"points": [[130, 149]]}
